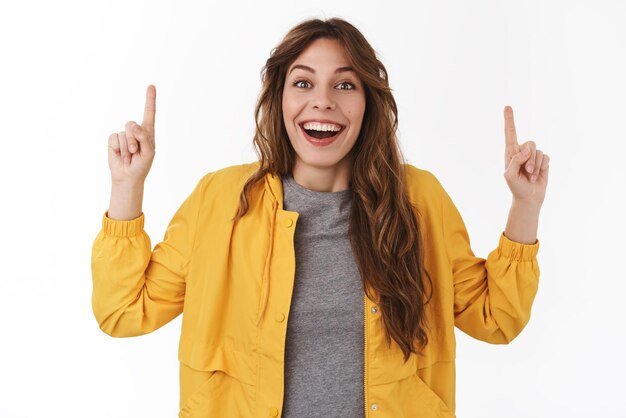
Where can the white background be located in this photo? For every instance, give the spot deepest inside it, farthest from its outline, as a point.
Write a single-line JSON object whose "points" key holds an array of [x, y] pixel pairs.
{"points": [[71, 73]]}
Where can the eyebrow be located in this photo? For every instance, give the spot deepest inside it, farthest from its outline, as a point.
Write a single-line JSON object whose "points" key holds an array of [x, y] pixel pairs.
{"points": [[311, 70]]}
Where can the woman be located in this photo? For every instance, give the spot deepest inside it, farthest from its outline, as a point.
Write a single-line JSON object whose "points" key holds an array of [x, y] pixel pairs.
{"points": [[326, 278]]}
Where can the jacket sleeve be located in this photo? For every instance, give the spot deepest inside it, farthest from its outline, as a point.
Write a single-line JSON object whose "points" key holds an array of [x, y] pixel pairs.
{"points": [[492, 297], [136, 290]]}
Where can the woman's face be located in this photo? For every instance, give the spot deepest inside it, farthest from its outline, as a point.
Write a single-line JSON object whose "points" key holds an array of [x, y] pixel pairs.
{"points": [[322, 94]]}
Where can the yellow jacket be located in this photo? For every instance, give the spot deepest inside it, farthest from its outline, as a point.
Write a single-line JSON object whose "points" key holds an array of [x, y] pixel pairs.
{"points": [[233, 282]]}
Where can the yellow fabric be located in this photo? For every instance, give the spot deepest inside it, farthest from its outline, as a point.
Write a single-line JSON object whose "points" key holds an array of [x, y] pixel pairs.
{"points": [[234, 283]]}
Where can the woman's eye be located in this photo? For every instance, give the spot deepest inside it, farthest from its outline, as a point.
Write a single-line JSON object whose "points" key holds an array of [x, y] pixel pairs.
{"points": [[347, 84], [300, 81]]}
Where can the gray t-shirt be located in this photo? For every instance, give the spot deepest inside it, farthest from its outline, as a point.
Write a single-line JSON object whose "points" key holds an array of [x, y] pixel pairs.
{"points": [[324, 346]]}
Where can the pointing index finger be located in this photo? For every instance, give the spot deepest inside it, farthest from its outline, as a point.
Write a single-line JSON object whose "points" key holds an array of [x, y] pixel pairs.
{"points": [[150, 109], [510, 134]]}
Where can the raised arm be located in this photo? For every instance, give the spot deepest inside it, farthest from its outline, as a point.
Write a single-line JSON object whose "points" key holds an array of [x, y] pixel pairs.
{"points": [[136, 289]]}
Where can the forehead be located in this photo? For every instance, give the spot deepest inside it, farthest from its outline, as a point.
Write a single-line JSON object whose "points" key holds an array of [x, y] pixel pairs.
{"points": [[322, 53]]}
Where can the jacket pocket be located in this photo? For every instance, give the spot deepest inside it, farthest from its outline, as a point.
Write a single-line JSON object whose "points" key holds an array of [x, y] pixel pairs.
{"points": [[238, 364], [410, 397], [213, 393], [425, 396], [195, 389]]}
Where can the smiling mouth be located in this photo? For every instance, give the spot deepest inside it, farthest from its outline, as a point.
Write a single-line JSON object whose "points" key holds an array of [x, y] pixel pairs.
{"points": [[321, 134]]}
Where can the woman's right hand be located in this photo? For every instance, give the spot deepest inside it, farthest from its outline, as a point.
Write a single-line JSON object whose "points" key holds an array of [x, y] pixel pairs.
{"points": [[131, 151]]}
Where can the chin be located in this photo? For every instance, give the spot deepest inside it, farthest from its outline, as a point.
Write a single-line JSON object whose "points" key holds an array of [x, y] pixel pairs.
{"points": [[321, 161]]}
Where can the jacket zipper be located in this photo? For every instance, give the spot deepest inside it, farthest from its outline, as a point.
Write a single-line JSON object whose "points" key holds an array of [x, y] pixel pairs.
{"points": [[365, 354]]}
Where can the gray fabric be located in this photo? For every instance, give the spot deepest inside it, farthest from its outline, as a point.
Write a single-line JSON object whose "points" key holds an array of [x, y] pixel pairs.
{"points": [[324, 346]]}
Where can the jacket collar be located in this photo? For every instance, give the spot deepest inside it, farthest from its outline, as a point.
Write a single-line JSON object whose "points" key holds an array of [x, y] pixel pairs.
{"points": [[274, 189]]}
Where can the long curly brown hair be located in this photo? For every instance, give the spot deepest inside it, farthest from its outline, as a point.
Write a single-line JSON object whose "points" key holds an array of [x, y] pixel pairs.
{"points": [[383, 227]]}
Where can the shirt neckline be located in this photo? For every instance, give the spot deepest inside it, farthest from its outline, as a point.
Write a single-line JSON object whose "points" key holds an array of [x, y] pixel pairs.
{"points": [[339, 195]]}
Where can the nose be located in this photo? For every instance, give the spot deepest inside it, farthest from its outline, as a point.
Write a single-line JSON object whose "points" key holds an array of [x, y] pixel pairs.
{"points": [[322, 100]]}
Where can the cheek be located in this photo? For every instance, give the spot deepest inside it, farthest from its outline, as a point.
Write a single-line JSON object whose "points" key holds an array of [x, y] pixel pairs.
{"points": [[355, 111], [355, 104], [290, 107], [289, 114]]}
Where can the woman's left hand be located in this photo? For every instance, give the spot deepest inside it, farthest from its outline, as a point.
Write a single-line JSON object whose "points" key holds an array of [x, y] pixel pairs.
{"points": [[526, 167]]}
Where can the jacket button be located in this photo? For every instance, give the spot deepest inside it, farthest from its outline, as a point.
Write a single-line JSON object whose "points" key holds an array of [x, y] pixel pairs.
{"points": [[279, 317], [288, 222], [374, 406], [374, 309], [273, 412]]}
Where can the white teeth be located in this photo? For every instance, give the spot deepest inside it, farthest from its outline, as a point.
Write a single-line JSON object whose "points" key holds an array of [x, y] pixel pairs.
{"points": [[321, 126]]}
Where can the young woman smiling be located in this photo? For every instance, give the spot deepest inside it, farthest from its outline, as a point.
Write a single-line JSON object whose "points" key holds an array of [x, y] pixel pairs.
{"points": [[326, 278]]}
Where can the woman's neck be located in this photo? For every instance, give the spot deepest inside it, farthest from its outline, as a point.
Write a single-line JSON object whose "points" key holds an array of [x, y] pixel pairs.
{"points": [[323, 179]]}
